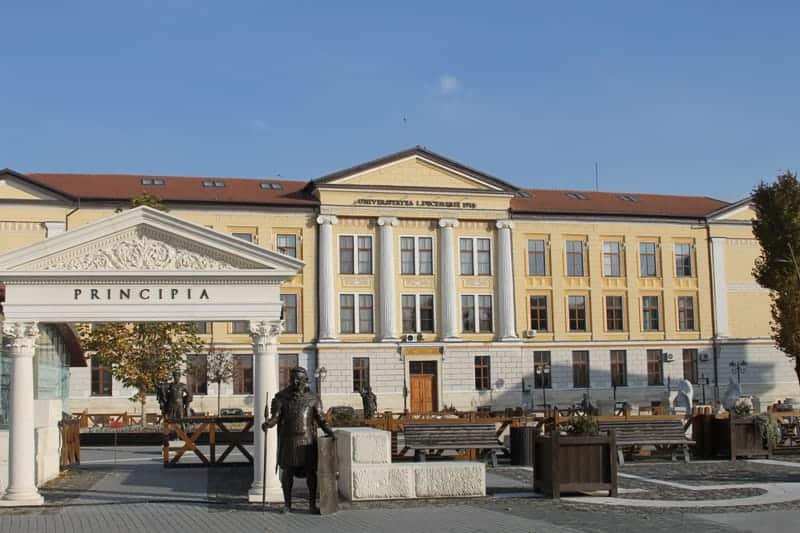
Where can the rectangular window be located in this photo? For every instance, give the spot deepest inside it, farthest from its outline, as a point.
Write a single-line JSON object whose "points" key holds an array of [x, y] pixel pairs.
{"points": [[537, 258], [365, 254], [614, 317], [484, 257], [612, 259], [240, 327], [346, 257], [347, 313], [197, 374], [577, 313], [289, 313], [482, 373], [685, 313], [360, 373], [683, 260], [655, 367], [101, 379], [426, 313], [484, 314], [541, 370], [365, 313], [407, 256], [539, 313], [650, 314], [286, 362], [619, 368], [425, 255], [690, 365], [467, 313], [286, 244], [243, 374], [249, 237], [574, 258], [467, 257], [580, 369], [647, 260], [409, 308], [202, 328]]}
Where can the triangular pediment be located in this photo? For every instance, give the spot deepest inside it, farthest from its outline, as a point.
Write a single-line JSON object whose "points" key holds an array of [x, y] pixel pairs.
{"points": [[15, 186], [147, 241], [741, 212], [415, 169]]}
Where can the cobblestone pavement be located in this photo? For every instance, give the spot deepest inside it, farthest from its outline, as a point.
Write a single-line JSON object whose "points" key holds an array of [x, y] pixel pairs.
{"points": [[138, 494]]}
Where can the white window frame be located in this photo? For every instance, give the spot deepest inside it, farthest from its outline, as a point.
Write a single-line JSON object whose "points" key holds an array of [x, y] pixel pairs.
{"points": [[475, 255], [356, 309], [692, 267], [355, 237], [296, 243], [417, 254], [620, 258], [476, 310], [546, 257], [417, 314]]}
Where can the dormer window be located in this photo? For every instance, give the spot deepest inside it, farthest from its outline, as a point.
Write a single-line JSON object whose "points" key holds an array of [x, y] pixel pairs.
{"points": [[213, 183], [273, 186], [629, 198], [152, 181], [577, 196]]}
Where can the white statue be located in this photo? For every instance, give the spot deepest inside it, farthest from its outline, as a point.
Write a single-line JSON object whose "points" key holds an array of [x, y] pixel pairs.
{"points": [[732, 393], [684, 398]]}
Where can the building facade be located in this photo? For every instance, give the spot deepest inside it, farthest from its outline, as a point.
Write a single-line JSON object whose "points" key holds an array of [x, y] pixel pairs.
{"points": [[442, 286]]}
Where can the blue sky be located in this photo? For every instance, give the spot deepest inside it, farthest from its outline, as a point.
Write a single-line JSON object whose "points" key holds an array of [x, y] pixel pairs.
{"points": [[672, 97]]}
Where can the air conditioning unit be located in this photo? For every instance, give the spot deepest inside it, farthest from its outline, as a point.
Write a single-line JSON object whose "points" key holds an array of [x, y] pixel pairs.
{"points": [[411, 337], [526, 385], [668, 357], [531, 333], [704, 357]]}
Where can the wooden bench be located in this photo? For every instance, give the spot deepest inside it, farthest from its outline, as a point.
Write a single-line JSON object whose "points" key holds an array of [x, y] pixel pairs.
{"points": [[633, 433], [435, 438]]}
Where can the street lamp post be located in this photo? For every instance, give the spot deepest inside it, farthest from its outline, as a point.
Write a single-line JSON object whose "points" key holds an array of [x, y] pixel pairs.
{"points": [[703, 382], [738, 368], [543, 373]]}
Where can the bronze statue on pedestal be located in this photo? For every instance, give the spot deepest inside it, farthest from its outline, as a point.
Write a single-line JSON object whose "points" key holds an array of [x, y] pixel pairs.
{"points": [[297, 412]]}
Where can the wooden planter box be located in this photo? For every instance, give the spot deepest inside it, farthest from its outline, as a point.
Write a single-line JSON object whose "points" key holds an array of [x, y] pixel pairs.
{"points": [[728, 437], [574, 463]]}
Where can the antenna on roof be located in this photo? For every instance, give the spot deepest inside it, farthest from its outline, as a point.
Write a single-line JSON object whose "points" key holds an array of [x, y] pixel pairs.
{"points": [[596, 176]]}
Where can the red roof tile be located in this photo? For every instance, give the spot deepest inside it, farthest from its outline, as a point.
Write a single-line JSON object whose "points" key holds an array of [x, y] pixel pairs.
{"points": [[176, 188], [542, 201]]}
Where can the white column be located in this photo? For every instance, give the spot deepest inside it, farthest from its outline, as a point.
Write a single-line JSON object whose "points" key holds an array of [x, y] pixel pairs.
{"points": [[447, 280], [387, 291], [325, 265], [54, 228], [720, 281], [505, 283], [19, 342], [265, 385]]}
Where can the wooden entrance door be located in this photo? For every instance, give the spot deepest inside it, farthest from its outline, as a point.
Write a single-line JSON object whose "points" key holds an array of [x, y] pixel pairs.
{"points": [[423, 386]]}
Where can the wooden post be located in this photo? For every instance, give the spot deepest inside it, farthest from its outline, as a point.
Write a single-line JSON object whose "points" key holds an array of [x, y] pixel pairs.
{"points": [[555, 469], [732, 424], [612, 461]]}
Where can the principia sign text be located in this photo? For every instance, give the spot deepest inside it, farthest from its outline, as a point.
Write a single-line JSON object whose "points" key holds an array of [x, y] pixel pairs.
{"points": [[140, 294], [415, 203]]}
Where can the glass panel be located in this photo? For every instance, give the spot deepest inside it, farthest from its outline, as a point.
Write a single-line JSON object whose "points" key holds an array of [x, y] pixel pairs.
{"points": [[426, 313], [365, 255], [243, 374], [347, 317], [484, 314], [346, 265], [465, 253], [484, 257], [407, 255], [611, 259], [289, 312], [409, 309], [425, 255], [575, 258], [287, 245], [365, 322], [468, 313], [580, 369], [537, 265]]}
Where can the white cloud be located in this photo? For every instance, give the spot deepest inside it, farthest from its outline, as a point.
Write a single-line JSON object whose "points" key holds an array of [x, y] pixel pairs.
{"points": [[258, 125], [449, 84]]}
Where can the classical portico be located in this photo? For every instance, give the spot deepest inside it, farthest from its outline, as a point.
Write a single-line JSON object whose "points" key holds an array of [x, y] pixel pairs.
{"points": [[141, 265]]}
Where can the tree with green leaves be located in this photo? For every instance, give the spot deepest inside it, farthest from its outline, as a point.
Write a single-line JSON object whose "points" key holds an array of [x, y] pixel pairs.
{"points": [[146, 199], [141, 355], [220, 369], [777, 228]]}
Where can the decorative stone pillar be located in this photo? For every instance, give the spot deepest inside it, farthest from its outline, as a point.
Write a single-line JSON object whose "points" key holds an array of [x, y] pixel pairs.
{"points": [[505, 283], [19, 342], [387, 291], [265, 385], [447, 280], [325, 266]]}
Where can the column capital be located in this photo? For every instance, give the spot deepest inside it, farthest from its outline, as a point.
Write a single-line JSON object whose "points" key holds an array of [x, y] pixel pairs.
{"points": [[20, 337], [504, 224], [448, 223], [327, 219], [265, 332], [388, 221]]}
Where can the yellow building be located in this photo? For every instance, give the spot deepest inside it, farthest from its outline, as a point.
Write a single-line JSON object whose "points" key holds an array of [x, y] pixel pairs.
{"points": [[439, 285]]}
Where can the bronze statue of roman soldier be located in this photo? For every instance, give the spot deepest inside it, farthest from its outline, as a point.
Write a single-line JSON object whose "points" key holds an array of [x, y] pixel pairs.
{"points": [[297, 412]]}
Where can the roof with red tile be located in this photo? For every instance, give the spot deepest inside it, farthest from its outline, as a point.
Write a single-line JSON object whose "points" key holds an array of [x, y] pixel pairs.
{"points": [[552, 202], [176, 188]]}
